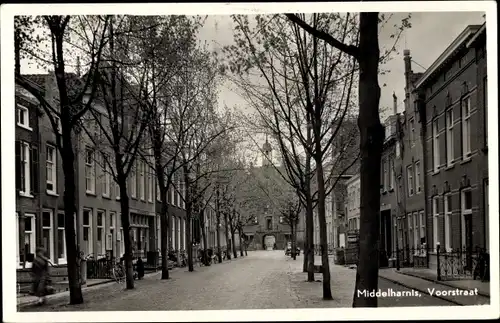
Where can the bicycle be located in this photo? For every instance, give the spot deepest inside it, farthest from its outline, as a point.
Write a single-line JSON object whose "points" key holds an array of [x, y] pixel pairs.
{"points": [[118, 273]]}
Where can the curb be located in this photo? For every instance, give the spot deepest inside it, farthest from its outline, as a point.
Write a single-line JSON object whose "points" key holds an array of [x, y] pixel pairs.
{"points": [[441, 282], [422, 291]]}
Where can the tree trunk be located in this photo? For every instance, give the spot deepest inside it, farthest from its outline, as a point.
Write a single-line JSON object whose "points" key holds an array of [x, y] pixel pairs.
{"points": [[189, 242], [294, 245], [372, 135], [240, 233], [219, 251], [125, 209], [310, 238], [70, 211], [164, 230], [327, 289], [233, 247], [306, 246], [228, 243], [204, 237]]}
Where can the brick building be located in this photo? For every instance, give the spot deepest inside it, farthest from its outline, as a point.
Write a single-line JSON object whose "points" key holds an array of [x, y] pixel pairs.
{"points": [[447, 101]]}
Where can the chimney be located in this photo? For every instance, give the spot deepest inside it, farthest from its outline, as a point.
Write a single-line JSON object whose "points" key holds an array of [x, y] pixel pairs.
{"points": [[394, 104], [408, 71]]}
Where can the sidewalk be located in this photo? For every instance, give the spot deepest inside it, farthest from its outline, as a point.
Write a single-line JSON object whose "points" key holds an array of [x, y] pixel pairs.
{"points": [[26, 301], [430, 275], [443, 291]]}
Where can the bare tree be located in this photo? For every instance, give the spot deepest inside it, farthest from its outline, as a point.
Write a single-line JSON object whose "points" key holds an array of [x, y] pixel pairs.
{"points": [[306, 96], [367, 55], [75, 96]]}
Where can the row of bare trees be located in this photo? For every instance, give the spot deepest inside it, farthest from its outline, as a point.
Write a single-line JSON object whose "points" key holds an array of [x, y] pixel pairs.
{"points": [[308, 77], [145, 91]]}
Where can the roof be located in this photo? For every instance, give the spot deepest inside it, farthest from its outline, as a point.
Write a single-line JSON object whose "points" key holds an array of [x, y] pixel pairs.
{"points": [[477, 36], [449, 52]]}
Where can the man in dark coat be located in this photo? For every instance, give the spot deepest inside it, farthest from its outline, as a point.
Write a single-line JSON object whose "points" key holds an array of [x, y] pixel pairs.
{"points": [[41, 276], [140, 268]]}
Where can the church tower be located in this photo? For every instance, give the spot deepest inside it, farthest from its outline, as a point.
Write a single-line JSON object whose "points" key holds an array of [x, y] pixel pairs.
{"points": [[266, 153]]}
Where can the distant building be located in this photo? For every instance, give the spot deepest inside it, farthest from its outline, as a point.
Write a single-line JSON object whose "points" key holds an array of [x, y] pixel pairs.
{"points": [[353, 203]]}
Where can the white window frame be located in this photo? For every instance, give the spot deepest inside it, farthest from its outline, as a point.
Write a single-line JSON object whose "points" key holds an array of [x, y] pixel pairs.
{"points": [[418, 187], [90, 250], [435, 221], [150, 186], [449, 137], [391, 173], [172, 233], [122, 242], [63, 260], [410, 180], [101, 253], [18, 256], [142, 183], [184, 231], [416, 231], [435, 144], [178, 226], [89, 171], [111, 227], [133, 181], [26, 164], [51, 168], [466, 130], [32, 233], [464, 212], [423, 234], [106, 179], [50, 228], [409, 218], [22, 109], [117, 191], [158, 195], [448, 212]]}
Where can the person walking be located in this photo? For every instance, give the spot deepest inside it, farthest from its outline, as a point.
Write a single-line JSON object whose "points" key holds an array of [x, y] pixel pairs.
{"points": [[140, 268], [41, 275]]}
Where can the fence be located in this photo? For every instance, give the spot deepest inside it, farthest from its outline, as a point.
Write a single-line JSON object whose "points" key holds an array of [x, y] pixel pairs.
{"points": [[99, 269], [464, 263], [405, 258]]}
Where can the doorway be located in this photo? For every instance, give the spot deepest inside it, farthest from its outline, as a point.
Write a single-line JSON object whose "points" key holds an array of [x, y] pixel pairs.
{"points": [[269, 242]]}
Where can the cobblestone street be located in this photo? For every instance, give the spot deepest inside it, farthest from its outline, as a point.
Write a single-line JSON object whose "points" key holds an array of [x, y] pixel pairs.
{"points": [[262, 280]]}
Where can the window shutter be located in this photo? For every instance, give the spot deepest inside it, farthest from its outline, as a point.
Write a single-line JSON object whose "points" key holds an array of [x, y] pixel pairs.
{"points": [[34, 170], [18, 165]]}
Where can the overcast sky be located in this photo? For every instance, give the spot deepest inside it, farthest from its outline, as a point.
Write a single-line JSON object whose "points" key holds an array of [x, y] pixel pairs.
{"points": [[430, 34]]}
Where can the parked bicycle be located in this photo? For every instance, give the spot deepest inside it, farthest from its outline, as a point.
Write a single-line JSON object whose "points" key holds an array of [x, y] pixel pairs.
{"points": [[118, 272]]}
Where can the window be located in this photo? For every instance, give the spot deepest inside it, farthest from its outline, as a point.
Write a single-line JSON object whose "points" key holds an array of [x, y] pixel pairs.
{"points": [[418, 188], [466, 199], [47, 233], [184, 233], [466, 131], [23, 153], [150, 186], [422, 227], [122, 242], [112, 223], [51, 170], [269, 224], [142, 183], [172, 232], [61, 239], [87, 232], [178, 226], [391, 172], [383, 175], [106, 178], [117, 191], [485, 100], [409, 176], [412, 132], [101, 240], [410, 228], [435, 221], [58, 124], [416, 230], [23, 117], [183, 192], [133, 182], [448, 211], [449, 137], [89, 171], [386, 175], [29, 233], [435, 144], [158, 195]]}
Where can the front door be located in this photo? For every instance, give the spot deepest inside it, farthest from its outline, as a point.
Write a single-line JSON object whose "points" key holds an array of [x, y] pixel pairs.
{"points": [[269, 242]]}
